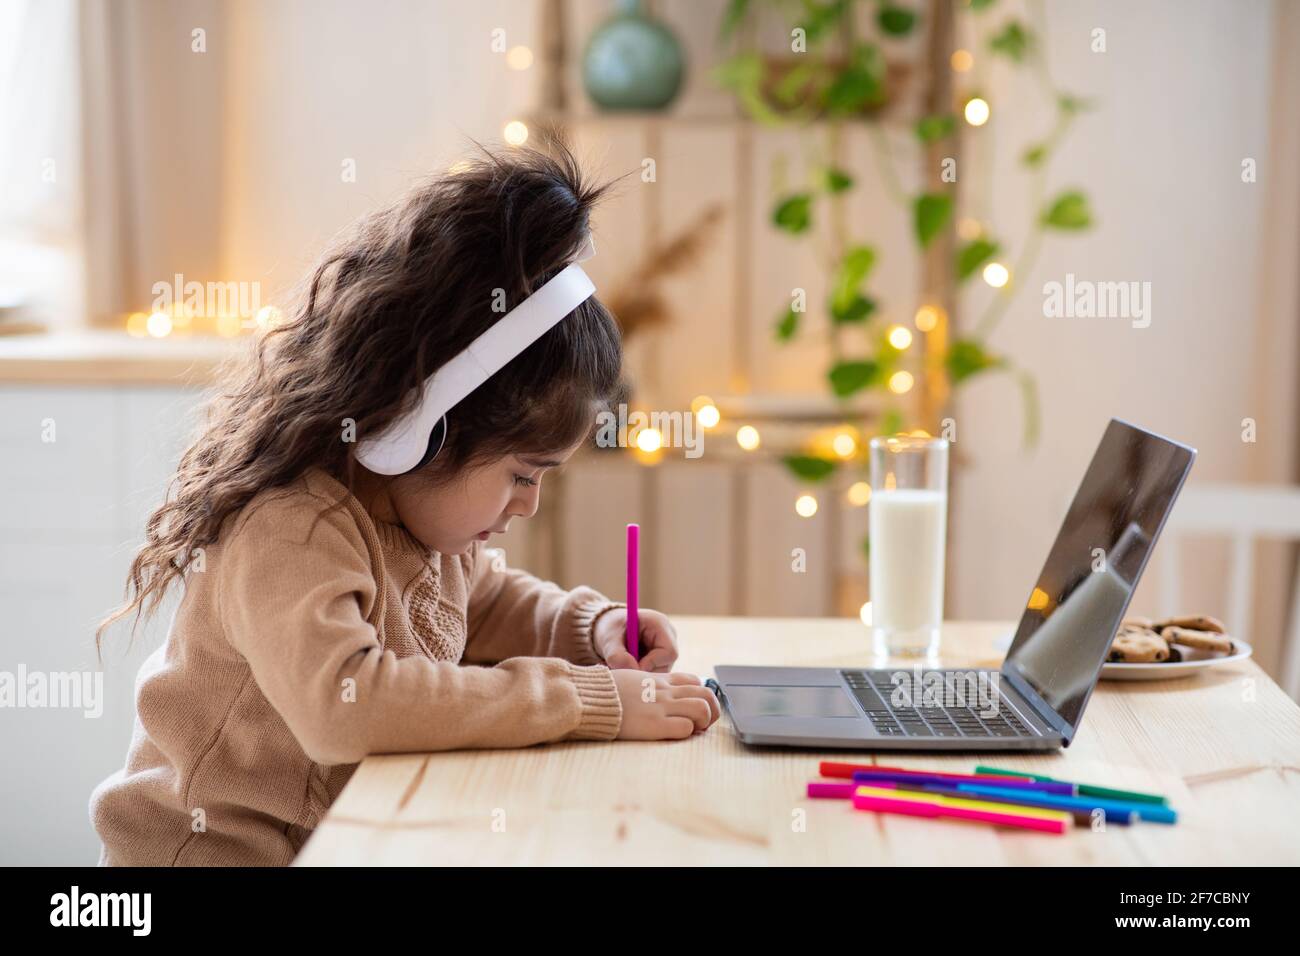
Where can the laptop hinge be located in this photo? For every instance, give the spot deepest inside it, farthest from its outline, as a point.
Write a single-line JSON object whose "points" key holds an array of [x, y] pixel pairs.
{"points": [[1044, 711]]}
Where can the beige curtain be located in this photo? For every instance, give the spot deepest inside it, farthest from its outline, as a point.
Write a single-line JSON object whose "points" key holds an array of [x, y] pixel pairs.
{"points": [[152, 126]]}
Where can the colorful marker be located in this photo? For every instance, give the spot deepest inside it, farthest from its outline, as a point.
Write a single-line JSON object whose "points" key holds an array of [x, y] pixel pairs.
{"points": [[633, 577], [832, 768], [1084, 789], [912, 776], [1155, 813], [910, 803]]}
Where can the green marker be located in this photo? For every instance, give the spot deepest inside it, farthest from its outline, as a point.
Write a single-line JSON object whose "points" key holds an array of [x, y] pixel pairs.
{"points": [[1083, 789]]}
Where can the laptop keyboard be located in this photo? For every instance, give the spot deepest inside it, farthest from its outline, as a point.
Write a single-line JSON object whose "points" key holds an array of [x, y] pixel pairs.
{"points": [[874, 688]]}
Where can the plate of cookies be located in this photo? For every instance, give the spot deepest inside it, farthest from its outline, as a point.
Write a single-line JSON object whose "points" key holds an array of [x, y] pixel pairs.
{"points": [[1146, 649]]}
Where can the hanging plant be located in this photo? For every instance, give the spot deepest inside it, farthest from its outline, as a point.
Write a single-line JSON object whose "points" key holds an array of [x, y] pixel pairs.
{"points": [[837, 76]]}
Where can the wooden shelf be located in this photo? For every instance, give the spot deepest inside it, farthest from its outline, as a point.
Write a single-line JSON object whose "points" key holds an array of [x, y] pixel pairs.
{"points": [[107, 357]]}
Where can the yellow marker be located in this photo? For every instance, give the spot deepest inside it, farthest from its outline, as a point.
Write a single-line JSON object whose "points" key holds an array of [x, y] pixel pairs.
{"points": [[986, 810]]}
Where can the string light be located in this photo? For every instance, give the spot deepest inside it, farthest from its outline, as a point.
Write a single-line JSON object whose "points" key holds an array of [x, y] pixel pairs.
{"points": [[747, 437], [268, 317], [969, 228], [159, 325], [706, 413], [519, 58], [859, 493], [649, 439], [515, 133], [961, 60], [864, 614], [845, 445], [805, 506], [901, 382], [977, 111], [137, 324], [927, 318], [996, 274], [899, 337]]}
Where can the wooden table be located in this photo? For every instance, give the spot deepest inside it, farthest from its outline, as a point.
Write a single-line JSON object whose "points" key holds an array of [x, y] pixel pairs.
{"points": [[1224, 746]]}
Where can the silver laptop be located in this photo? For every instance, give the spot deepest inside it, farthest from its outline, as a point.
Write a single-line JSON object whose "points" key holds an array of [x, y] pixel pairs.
{"points": [[1036, 700]]}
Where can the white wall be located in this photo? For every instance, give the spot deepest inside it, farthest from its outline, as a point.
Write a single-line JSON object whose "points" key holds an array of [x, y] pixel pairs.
{"points": [[1183, 95]]}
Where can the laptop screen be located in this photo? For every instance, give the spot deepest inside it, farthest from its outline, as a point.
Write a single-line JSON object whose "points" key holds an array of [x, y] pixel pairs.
{"points": [[1083, 591]]}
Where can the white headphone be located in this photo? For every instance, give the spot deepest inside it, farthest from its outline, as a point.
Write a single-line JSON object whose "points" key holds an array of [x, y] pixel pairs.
{"points": [[415, 438]]}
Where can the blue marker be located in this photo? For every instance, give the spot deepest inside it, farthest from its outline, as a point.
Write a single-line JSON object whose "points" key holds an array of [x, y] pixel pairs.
{"points": [[1152, 812]]}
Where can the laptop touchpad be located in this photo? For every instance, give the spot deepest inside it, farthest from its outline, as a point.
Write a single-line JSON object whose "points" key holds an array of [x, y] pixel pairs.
{"points": [[752, 701]]}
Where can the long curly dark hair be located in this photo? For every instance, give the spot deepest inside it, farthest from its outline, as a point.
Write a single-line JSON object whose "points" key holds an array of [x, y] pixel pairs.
{"points": [[402, 293]]}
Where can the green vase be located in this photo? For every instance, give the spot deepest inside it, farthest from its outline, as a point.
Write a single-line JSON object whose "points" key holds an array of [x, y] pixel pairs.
{"points": [[632, 62]]}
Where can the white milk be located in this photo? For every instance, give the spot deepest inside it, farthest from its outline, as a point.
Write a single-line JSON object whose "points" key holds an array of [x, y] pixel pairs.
{"points": [[908, 534]]}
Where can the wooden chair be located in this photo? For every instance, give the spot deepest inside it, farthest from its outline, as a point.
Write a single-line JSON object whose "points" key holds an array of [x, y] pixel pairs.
{"points": [[1243, 513]]}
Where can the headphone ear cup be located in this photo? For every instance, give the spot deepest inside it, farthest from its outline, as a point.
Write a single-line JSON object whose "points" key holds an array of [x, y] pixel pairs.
{"points": [[436, 439]]}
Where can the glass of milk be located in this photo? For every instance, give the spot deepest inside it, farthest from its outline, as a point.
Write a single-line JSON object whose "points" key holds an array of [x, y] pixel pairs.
{"points": [[908, 516]]}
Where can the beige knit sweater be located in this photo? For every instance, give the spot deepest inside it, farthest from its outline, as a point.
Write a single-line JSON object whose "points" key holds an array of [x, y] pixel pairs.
{"points": [[313, 636]]}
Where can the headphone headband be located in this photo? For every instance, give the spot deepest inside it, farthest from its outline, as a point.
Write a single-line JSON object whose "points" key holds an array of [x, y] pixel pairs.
{"points": [[406, 443]]}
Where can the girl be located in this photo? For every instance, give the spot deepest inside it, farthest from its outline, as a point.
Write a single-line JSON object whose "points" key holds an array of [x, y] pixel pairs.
{"points": [[330, 612]]}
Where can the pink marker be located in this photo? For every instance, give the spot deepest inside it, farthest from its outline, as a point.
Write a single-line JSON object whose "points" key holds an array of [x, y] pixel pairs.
{"points": [[633, 573]]}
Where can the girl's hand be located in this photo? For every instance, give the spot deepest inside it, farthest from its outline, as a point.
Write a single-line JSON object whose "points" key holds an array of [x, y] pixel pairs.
{"points": [[658, 641], [663, 706]]}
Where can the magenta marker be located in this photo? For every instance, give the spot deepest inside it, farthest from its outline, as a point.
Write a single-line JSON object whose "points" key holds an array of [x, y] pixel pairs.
{"points": [[633, 571]]}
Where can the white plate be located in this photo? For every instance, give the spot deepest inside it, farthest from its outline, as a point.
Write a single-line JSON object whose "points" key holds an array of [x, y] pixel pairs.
{"points": [[1193, 662]]}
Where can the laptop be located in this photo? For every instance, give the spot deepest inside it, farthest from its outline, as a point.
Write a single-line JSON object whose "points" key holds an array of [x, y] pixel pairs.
{"points": [[1035, 701]]}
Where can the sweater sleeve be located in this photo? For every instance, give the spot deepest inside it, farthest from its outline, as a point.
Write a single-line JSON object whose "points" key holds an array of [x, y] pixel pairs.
{"points": [[513, 613], [295, 588]]}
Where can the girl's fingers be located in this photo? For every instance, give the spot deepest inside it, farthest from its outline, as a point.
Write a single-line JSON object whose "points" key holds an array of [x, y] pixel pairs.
{"points": [[681, 677], [621, 660], [697, 710], [691, 691], [678, 727], [658, 659]]}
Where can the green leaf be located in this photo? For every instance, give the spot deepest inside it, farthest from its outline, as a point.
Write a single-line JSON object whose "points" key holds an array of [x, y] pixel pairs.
{"points": [[858, 308], [1034, 154], [1068, 211], [787, 326], [859, 84], [973, 255], [896, 21], [892, 423], [1013, 41], [849, 377], [794, 213], [866, 546], [792, 88], [931, 129], [736, 11], [822, 17], [809, 467], [978, 5], [837, 180], [743, 75], [965, 358], [850, 273], [932, 211], [1071, 105]]}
